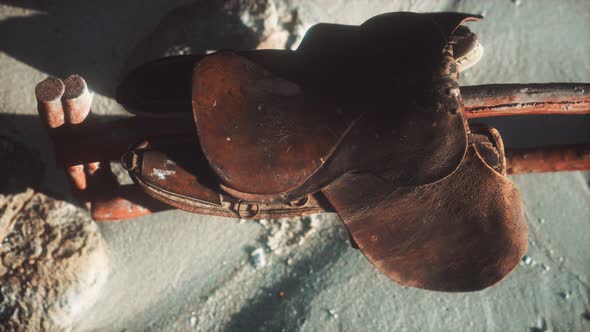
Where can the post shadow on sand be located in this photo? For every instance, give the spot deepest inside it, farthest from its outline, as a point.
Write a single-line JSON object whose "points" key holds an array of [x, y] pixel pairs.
{"points": [[27, 159], [103, 40]]}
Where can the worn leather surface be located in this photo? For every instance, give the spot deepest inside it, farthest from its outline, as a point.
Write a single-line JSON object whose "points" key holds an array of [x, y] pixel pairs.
{"points": [[163, 169], [463, 233], [327, 58], [363, 120], [261, 133], [384, 101], [391, 56]]}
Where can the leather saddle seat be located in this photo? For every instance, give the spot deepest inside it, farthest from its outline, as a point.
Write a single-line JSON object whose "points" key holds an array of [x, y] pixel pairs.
{"points": [[364, 105], [365, 121]]}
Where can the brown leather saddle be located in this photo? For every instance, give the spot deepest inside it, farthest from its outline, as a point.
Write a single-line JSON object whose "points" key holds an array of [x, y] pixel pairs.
{"points": [[365, 121]]}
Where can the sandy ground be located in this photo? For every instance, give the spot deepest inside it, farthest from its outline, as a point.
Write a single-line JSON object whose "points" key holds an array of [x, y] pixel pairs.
{"points": [[178, 271]]}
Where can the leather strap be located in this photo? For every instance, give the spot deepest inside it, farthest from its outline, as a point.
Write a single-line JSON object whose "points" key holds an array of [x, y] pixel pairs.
{"points": [[162, 167]]}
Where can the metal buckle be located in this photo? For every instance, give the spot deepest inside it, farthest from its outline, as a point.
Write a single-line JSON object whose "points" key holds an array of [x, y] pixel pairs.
{"points": [[239, 210]]}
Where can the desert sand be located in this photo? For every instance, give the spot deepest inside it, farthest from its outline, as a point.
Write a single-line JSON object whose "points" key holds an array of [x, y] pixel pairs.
{"points": [[175, 271]]}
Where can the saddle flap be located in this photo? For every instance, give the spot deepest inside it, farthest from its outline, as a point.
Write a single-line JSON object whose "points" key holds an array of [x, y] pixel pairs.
{"points": [[166, 168], [261, 134], [169, 166], [463, 233]]}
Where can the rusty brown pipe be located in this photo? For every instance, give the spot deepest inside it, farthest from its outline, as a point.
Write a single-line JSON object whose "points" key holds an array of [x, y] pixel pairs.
{"points": [[481, 101], [128, 201], [103, 141], [109, 140], [548, 159], [49, 93], [493, 100]]}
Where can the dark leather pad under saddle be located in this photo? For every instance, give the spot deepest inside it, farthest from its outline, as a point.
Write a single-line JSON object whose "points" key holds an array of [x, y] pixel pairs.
{"points": [[362, 120]]}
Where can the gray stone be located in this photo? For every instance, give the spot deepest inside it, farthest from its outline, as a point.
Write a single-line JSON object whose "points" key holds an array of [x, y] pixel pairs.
{"points": [[205, 26], [52, 258], [52, 263]]}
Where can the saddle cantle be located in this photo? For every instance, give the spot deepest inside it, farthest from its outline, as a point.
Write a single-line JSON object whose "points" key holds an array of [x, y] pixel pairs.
{"points": [[365, 121]]}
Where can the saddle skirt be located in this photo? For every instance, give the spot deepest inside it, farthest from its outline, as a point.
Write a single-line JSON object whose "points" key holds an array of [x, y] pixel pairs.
{"points": [[365, 121]]}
